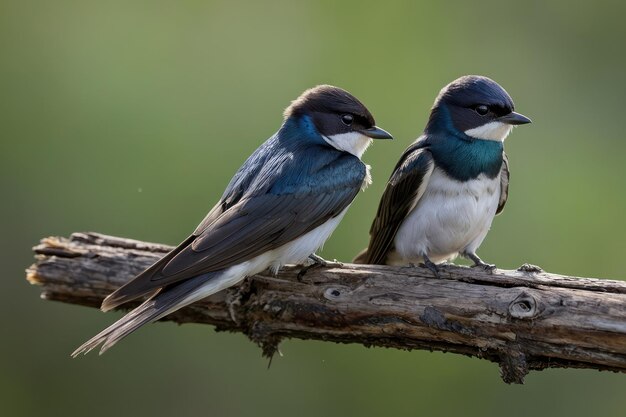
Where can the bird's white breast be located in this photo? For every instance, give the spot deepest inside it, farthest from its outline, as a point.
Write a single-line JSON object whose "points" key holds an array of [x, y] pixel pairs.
{"points": [[451, 217]]}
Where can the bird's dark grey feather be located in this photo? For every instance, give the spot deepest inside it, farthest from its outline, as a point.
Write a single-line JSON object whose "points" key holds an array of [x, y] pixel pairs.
{"points": [[151, 310], [397, 200], [504, 183]]}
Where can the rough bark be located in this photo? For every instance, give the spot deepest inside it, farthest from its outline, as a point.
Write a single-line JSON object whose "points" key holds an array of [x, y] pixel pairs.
{"points": [[523, 320]]}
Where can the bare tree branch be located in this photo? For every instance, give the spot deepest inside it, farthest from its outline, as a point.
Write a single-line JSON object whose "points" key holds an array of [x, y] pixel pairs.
{"points": [[524, 320]]}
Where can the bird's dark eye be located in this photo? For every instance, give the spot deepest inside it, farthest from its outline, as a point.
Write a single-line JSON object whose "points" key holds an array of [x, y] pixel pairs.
{"points": [[482, 109], [347, 119]]}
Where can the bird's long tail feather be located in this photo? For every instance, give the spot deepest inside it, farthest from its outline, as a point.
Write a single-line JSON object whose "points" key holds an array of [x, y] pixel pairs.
{"points": [[155, 308]]}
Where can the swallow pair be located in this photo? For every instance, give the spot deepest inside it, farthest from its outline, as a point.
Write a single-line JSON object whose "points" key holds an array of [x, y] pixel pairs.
{"points": [[292, 192]]}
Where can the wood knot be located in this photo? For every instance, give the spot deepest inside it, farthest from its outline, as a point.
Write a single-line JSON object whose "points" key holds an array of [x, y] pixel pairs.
{"points": [[335, 293], [525, 306]]}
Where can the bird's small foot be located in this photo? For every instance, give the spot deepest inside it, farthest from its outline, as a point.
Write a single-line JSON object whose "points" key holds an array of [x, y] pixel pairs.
{"points": [[432, 266], [479, 263], [318, 261], [485, 266], [325, 263]]}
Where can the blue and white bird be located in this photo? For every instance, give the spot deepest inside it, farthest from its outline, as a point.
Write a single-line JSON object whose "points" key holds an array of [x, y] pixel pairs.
{"points": [[279, 208], [450, 183]]}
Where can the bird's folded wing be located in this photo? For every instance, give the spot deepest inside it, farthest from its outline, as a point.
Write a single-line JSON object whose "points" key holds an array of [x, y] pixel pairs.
{"points": [[504, 183], [252, 226], [404, 189]]}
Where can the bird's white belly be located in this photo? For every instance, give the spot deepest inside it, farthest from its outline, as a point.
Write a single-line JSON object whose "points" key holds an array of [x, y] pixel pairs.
{"points": [[451, 217]]}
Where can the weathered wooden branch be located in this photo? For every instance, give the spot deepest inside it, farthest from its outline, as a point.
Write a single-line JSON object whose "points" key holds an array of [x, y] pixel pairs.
{"points": [[524, 320]]}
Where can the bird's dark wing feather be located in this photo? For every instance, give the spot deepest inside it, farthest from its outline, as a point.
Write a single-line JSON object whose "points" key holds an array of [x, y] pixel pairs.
{"points": [[404, 189], [242, 181], [290, 208], [504, 183]]}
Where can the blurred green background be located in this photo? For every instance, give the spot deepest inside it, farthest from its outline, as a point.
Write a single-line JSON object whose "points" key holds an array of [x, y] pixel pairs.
{"points": [[130, 118]]}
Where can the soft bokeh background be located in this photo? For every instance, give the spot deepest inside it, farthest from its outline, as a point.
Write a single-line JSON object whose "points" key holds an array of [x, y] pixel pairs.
{"points": [[130, 118]]}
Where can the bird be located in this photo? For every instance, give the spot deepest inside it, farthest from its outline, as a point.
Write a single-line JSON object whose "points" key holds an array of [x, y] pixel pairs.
{"points": [[279, 208], [449, 184]]}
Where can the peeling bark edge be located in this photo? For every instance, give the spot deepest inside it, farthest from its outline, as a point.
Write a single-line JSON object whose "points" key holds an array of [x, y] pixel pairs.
{"points": [[523, 320]]}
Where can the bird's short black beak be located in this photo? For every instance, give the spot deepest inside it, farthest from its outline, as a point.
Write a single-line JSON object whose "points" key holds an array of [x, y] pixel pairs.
{"points": [[376, 132], [514, 118]]}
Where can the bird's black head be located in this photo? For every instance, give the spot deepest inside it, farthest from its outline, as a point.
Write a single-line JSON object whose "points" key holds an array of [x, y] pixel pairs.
{"points": [[476, 106], [334, 112]]}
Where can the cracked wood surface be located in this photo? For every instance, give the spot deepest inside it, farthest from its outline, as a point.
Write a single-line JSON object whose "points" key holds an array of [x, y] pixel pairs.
{"points": [[523, 320]]}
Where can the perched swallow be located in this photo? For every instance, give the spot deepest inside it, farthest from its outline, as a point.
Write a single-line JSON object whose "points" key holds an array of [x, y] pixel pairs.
{"points": [[279, 208], [450, 183]]}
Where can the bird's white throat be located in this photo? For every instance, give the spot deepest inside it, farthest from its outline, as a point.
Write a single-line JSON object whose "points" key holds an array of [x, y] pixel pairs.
{"points": [[497, 131], [353, 142]]}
